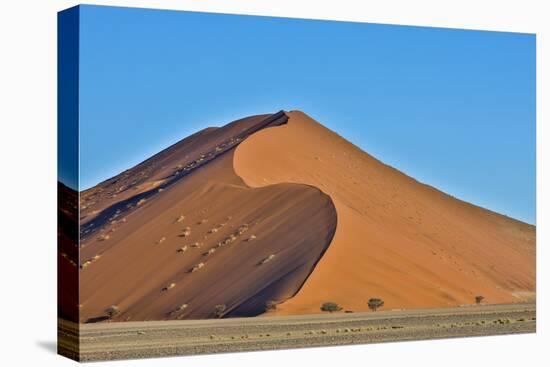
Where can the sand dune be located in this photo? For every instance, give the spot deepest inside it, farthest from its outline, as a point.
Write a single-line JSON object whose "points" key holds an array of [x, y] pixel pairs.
{"points": [[279, 208], [199, 239], [396, 238], [67, 252]]}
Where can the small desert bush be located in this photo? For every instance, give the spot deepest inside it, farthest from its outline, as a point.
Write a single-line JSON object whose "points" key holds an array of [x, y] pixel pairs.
{"points": [[479, 299], [375, 303], [169, 286], [182, 249], [242, 229], [197, 267], [267, 259], [270, 305], [112, 311], [330, 307], [219, 310], [210, 252], [179, 309]]}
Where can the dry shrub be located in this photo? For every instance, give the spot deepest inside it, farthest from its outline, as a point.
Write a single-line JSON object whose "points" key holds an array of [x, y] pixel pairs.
{"points": [[267, 259], [270, 305], [169, 286], [242, 229], [219, 310], [331, 307], [197, 267], [210, 252], [112, 311]]}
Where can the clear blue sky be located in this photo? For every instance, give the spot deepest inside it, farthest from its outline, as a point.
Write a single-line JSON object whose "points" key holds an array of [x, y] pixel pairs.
{"points": [[454, 109]]}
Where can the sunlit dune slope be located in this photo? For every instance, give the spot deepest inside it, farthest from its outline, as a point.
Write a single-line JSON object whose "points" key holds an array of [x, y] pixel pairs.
{"points": [[181, 236], [396, 239]]}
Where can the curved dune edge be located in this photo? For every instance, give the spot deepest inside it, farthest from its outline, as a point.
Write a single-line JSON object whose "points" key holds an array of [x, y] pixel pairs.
{"points": [[139, 261], [396, 239]]}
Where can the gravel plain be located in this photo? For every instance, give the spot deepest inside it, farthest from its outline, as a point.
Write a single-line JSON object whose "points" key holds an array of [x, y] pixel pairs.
{"points": [[126, 340]]}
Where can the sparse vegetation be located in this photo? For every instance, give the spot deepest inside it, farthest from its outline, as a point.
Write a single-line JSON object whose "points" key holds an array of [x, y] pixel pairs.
{"points": [[103, 237], [210, 252], [479, 299], [197, 267], [219, 310], [186, 232], [182, 249], [112, 311], [181, 308], [267, 259], [161, 240], [330, 307], [179, 219], [141, 202], [230, 239], [251, 238], [196, 245], [242, 229], [271, 305], [169, 286], [375, 303]]}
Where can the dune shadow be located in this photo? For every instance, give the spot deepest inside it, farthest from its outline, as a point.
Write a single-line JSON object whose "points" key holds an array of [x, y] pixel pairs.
{"points": [[92, 320], [48, 345]]}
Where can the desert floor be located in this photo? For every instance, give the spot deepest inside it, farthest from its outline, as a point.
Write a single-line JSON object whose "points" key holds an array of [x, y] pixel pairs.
{"points": [[124, 340]]}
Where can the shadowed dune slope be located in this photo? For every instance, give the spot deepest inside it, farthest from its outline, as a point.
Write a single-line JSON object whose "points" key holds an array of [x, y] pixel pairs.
{"points": [[396, 238], [184, 234], [67, 252]]}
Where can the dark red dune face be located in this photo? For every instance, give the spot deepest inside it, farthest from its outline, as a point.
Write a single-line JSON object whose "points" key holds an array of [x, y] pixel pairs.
{"points": [[67, 252]]}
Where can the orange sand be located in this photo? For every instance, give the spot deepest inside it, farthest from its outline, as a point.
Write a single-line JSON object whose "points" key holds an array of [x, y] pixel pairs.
{"points": [[130, 257], [396, 239]]}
